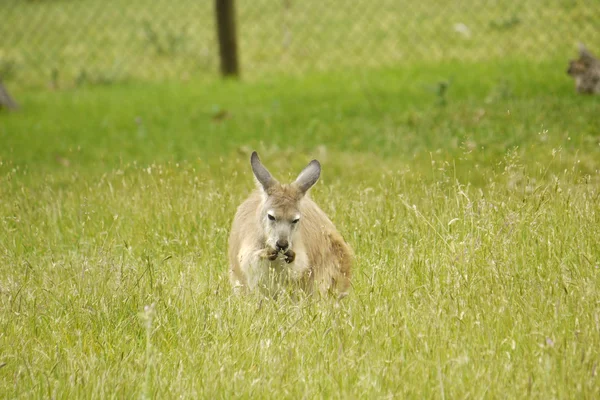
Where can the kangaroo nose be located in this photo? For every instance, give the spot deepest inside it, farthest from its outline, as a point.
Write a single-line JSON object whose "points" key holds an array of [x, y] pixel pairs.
{"points": [[282, 244]]}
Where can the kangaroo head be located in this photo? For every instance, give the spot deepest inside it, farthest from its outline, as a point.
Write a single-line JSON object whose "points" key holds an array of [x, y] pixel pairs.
{"points": [[281, 209], [576, 68]]}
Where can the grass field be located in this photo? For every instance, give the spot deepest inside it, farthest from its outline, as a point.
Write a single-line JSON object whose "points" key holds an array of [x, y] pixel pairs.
{"points": [[474, 215]]}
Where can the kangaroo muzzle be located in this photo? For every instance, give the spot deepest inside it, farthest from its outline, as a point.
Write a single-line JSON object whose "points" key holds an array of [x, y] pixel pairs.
{"points": [[282, 244]]}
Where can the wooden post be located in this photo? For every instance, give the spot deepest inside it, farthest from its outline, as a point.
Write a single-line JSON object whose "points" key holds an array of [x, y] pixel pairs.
{"points": [[226, 31]]}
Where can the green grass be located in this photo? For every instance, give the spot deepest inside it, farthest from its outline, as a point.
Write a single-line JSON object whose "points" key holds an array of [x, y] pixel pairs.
{"points": [[77, 42], [475, 220]]}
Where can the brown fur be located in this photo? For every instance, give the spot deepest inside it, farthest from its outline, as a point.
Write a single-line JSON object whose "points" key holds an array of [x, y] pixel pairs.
{"points": [[586, 71], [322, 257]]}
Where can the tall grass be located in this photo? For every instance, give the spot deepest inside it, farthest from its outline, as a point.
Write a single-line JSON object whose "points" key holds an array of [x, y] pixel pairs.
{"points": [[475, 226]]}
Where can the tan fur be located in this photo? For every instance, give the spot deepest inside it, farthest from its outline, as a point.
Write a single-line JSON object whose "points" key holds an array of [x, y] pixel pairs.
{"points": [[322, 258]]}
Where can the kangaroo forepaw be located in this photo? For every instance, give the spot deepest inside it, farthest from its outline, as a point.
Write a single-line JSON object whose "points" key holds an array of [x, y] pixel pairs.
{"points": [[269, 254], [289, 256]]}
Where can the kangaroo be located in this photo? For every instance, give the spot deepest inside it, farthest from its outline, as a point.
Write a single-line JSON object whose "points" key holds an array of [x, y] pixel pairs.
{"points": [[280, 236], [586, 71]]}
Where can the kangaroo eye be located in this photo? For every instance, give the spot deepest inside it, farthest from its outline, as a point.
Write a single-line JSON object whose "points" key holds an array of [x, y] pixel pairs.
{"points": [[295, 221], [271, 217]]}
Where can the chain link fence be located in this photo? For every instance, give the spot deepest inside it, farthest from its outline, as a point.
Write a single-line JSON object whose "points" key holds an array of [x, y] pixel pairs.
{"points": [[70, 42]]}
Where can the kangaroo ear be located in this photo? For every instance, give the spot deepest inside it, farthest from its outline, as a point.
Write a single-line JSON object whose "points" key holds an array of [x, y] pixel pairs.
{"points": [[584, 53], [262, 175], [309, 176]]}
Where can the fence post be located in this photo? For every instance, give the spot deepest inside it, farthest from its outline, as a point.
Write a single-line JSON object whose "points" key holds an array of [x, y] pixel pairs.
{"points": [[226, 31]]}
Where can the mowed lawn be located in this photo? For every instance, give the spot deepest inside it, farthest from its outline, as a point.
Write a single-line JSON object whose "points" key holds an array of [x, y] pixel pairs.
{"points": [[474, 214]]}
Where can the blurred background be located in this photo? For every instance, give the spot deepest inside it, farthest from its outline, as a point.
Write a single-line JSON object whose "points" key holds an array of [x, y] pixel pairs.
{"points": [[65, 43]]}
